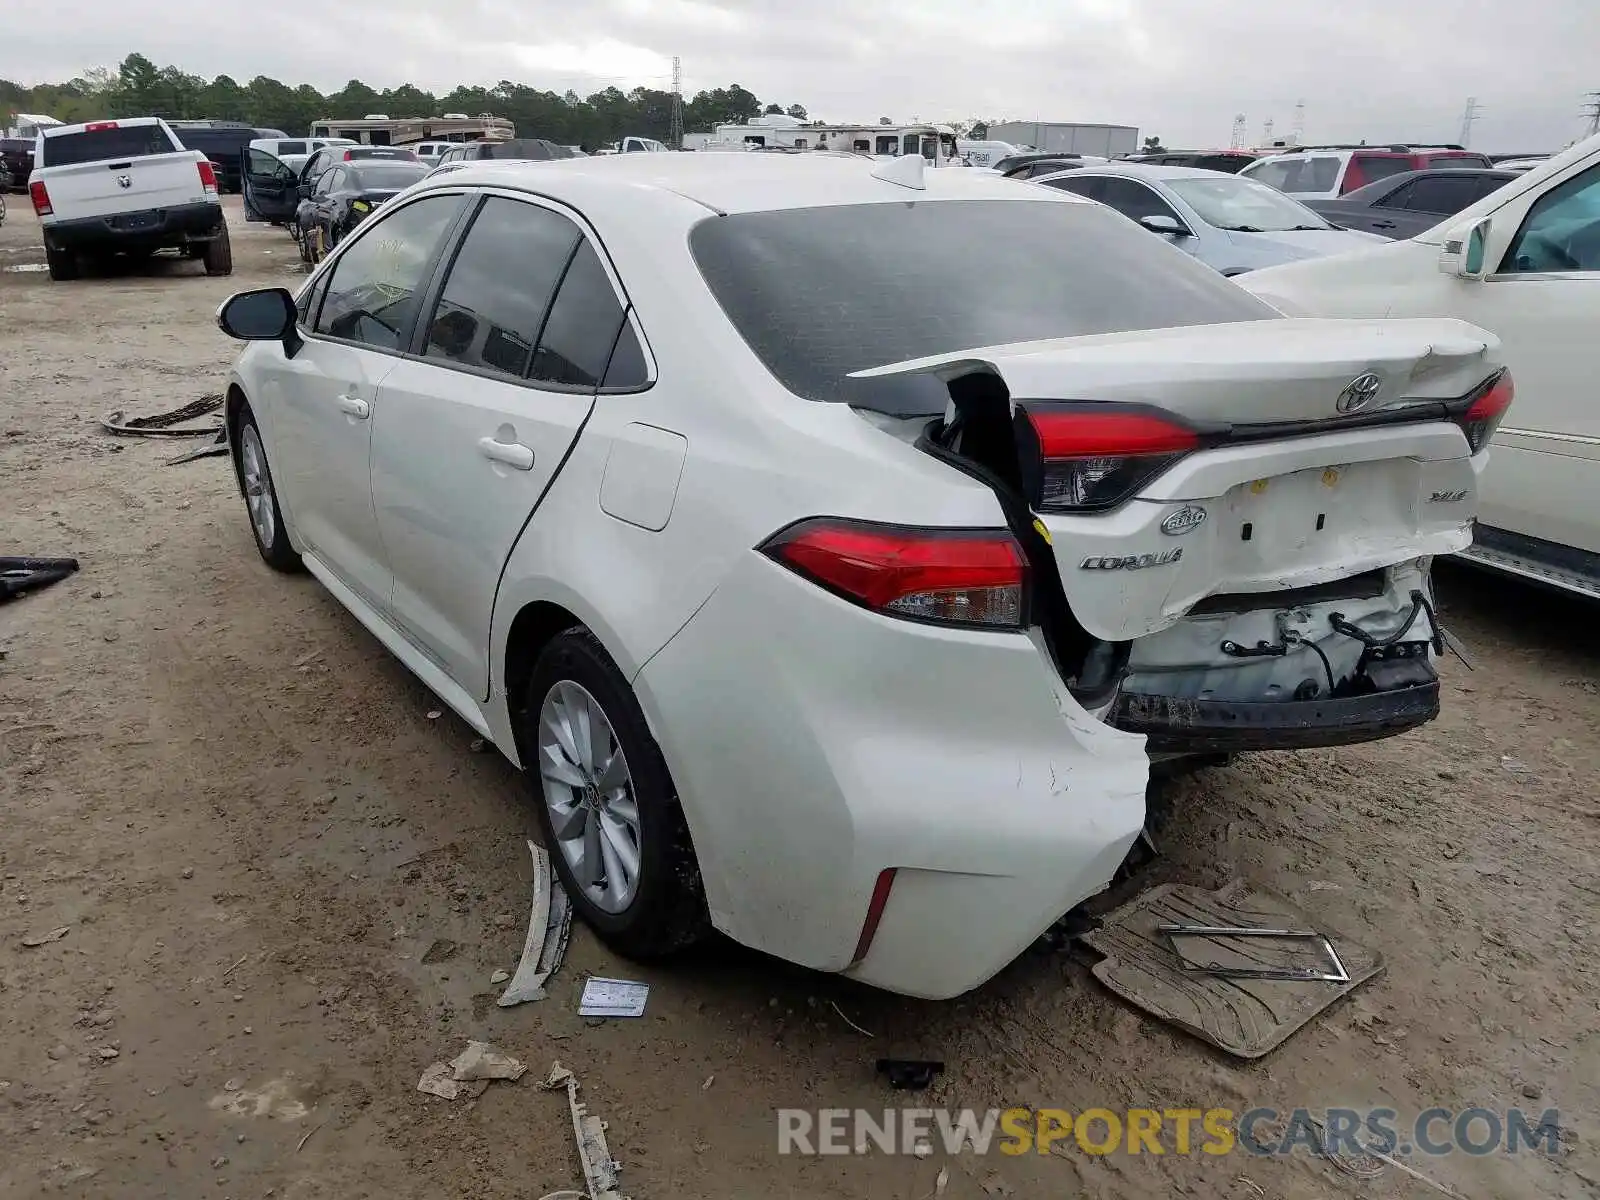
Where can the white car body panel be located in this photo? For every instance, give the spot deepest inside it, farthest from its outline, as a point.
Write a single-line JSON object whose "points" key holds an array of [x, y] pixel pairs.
{"points": [[959, 757], [1546, 456]]}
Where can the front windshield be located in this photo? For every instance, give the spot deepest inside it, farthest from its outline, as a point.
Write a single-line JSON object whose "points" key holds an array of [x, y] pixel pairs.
{"points": [[1229, 202]]}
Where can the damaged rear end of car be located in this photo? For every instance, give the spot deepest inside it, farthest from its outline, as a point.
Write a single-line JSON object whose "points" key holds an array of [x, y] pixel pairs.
{"points": [[1230, 527]]}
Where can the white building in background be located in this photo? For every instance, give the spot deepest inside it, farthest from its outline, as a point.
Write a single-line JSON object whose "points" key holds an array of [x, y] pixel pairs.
{"points": [[1065, 137]]}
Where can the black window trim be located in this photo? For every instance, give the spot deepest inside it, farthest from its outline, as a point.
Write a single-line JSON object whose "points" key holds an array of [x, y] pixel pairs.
{"points": [[331, 264], [454, 240]]}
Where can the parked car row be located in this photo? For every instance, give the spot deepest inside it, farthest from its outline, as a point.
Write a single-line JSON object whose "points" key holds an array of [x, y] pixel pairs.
{"points": [[336, 188]]}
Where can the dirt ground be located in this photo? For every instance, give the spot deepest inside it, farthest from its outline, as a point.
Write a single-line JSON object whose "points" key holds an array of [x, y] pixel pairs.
{"points": [[287, 887]]}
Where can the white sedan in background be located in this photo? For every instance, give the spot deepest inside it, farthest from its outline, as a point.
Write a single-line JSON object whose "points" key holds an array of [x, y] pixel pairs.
{"points": [[835, 542], [1226, 221]]}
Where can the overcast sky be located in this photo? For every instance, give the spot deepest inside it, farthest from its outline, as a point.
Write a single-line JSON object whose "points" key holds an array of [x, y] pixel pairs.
{"points": [[1181, 69]]}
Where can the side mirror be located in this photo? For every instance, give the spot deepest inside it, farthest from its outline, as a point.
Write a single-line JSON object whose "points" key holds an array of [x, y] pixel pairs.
{"points": [[304, 191], [266, 315], [1466, 250], [1168, 226]]}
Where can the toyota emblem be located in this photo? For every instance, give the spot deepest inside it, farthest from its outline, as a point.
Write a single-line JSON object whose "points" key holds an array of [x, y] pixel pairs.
{"points": [[124, 181], [1360, 392]]}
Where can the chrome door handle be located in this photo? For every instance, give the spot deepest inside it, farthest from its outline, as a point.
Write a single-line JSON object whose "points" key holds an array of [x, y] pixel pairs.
{"points": [[355, 407], [512, 454]]}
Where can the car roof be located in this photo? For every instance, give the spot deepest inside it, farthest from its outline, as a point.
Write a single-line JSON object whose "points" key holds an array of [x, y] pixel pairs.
{"points": [[1389, 183], [1149, 172], [737, 183]]}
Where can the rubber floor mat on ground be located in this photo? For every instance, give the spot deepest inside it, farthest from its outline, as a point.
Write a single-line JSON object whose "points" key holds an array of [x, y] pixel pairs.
{"points": [[1245, 1017]]}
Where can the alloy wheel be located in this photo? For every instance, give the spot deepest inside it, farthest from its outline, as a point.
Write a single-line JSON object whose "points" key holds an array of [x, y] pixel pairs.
{"points": [[589, 793]]}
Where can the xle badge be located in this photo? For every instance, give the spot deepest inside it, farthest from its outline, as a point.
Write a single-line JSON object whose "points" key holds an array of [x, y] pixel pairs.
{"points": [[1137, 562]]}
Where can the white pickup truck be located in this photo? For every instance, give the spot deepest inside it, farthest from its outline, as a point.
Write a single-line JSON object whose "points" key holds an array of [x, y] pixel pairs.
{"points": [[124, 187]]}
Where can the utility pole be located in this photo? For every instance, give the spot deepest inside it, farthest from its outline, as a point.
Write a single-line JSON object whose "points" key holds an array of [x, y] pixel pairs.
{"points": [[1468, 116], [1299, 122], [1238, 133], [1592, 111], [675, 135], [1266, 132]]}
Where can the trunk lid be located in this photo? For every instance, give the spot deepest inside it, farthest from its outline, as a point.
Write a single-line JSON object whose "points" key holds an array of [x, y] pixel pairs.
{"points": [[1307, 451]]}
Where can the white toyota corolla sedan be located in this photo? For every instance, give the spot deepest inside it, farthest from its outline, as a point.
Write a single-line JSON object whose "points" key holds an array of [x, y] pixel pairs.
{"points": [[836, 544]]}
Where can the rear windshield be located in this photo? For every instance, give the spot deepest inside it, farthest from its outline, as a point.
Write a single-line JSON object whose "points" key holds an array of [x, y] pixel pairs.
{"points": [[818, 293], [95, 145], [1381, 166], [291, 147], [389, 176]]}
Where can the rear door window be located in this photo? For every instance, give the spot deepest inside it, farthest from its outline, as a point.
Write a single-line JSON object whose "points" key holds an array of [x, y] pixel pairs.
{"points": [[1090, 187], [113, 142], [1442, 195], [372, 297], [498, 292]]}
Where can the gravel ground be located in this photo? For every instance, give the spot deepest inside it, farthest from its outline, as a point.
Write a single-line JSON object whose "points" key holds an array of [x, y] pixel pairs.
{"points": [[287, 887]]}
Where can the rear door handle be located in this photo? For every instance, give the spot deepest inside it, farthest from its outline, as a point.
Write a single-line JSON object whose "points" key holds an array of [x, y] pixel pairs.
{"points": [[355, 406], [512, 454], [1383, 224]]}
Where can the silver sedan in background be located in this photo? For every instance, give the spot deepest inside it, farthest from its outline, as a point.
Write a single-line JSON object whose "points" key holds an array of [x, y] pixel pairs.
{"points": [[1227, 222]]}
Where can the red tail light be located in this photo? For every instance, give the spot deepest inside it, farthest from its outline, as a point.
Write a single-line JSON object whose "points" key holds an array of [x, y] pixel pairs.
{"points": [[1482, 416], [1094, 455], [971, 577], [348, 157], [208, 175], [41, 199]]}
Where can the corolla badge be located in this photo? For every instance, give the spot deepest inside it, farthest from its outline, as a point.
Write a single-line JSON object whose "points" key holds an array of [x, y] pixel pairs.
{"points": [[1186, 520], [1358, 393], [1132, 562]]}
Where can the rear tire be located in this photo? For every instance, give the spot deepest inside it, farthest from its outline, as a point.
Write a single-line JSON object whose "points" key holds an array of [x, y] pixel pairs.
{"points": [[63, 265], [665, 911], [261, 497], [218, 255]]}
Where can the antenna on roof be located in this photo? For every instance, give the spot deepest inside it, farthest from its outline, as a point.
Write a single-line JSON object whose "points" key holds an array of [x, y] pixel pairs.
{"points": [[904, 171]]}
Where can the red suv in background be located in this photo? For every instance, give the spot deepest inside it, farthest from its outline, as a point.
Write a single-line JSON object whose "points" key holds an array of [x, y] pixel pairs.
{"points": [[1331, 171]]}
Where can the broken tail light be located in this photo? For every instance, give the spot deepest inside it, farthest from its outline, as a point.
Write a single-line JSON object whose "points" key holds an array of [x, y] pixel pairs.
{"points": [[964, 577], [208, 176], [1093, 455], [1482, 415], [40, 195]]}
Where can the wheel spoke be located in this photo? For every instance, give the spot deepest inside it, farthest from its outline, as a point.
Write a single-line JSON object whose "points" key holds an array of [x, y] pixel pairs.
{"points": [[615, 772], [622, 858], [555, 766], [568, 821], [556, 725], [582, 721], [621, 805], [590, 875], [617, 880]]}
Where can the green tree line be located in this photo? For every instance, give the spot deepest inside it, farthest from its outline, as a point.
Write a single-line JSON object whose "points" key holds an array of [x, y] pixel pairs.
{"points": [[139, 88]]}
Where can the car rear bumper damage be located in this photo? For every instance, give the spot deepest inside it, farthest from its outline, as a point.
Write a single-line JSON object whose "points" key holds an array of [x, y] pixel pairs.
{"points": [[1180, 726], [956, 760], [140, 229]]}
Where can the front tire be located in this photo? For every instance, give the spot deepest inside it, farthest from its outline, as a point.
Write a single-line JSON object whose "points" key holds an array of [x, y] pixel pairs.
{"points": [[261, 498], [606, 803], [219, 255]]}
